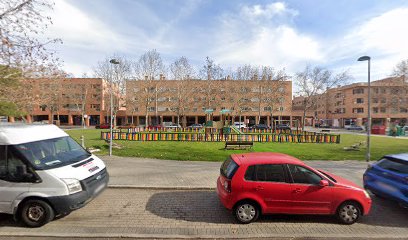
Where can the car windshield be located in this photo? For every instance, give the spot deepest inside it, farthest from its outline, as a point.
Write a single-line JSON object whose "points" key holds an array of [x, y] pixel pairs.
{"points": [[395, 165], [52, 153]]}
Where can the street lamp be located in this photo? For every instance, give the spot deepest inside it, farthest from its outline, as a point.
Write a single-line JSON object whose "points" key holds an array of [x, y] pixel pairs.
{"points": [[367, 58], [114, 62]]}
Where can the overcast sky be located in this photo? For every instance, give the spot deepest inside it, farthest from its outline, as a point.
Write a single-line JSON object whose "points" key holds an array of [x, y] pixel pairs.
{"points": [[281, 34]]}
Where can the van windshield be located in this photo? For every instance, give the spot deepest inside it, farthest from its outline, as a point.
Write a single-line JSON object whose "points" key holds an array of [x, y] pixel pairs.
{"points": [[52, 153]]}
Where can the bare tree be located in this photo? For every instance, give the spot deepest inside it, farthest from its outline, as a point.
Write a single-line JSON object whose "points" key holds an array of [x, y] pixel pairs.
{"points": [[182, 72], [211, 72], [312, 82], [22, 54], [117, 75], [401, 71], [149, 67]]}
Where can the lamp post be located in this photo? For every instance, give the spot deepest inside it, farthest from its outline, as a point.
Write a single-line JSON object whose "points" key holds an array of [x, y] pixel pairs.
{"points": [[367, 58], [114, 62]]}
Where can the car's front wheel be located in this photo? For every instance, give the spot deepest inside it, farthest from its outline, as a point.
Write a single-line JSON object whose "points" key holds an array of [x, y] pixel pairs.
{"points": [[246, 212], [36, 213], [349, 212]]}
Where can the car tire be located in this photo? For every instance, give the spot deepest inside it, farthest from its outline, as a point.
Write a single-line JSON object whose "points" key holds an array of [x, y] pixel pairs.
{"points": [[246, 212], [36, 213], [349, 212]]}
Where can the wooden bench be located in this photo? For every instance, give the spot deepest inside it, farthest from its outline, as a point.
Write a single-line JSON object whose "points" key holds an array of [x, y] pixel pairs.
{"points": [[325, 130], [238, 144]]}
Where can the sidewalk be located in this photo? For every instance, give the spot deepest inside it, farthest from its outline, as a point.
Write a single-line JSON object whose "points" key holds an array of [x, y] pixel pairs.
{"points": [[167, 174]]}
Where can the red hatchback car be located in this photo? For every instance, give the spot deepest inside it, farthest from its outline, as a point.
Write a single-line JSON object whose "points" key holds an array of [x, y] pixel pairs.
{"points": [[252, 184]]}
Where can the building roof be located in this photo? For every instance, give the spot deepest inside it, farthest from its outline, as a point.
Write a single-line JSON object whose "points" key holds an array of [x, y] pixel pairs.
{"points": [[11, 134]]}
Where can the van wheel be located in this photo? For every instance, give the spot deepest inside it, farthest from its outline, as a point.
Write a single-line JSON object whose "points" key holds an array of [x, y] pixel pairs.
{"points": [[36, 213], [349, 212], [246, 212]]}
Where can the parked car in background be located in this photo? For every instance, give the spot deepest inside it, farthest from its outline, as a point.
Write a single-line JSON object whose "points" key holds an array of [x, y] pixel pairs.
{"points": [[126, 126], [252, 184], [173, 126], [283, 127], [388, 178], [195, 126], [354, 128], [239, 125], [103, 126], [260, 127]]}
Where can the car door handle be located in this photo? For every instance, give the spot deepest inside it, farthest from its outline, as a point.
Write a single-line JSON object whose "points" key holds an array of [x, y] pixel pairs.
{"points": [[297, 190], [258, 188]]}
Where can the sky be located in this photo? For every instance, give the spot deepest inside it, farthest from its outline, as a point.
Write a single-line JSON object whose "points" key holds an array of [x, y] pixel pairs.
{"points": [[281, 34]]}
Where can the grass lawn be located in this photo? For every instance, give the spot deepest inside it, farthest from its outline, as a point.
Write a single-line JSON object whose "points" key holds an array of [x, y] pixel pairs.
{"points": [[214, 151]]}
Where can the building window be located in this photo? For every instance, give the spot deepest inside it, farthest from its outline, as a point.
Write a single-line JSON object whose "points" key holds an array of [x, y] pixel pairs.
{"points": [[358, 110], [150, 109], [97, 107], [281, 109], [403, 110], [375, 109], [383, 110], [358, 91], [360, 100], [375, 100], [383, 100], [267, 108]]}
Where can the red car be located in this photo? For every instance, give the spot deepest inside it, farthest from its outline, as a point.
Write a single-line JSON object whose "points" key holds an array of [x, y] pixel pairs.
{"points": [[103, 126], [252, 184]]}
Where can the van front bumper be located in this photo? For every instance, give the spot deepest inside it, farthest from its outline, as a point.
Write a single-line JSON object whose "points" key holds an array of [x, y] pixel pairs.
{"points": [[63, 205]]}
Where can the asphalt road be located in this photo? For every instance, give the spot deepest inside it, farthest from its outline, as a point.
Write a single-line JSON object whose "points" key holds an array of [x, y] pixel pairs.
{"points": [[151, 198]]}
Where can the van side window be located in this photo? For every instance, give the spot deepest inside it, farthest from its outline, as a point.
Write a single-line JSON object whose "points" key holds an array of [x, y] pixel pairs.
{"points": [[12, 168], [3, 162], [266, 173], [303, 175]]}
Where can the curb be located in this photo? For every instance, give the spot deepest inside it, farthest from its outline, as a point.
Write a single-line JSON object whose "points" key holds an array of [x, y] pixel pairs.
{"points": [[160, 188]]}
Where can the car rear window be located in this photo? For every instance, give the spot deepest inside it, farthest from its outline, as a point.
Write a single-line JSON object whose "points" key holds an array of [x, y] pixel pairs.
{"points": [[228, 168], [394, 165]]}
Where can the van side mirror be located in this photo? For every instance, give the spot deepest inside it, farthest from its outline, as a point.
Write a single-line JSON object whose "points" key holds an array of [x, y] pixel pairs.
{"points": [[323, 183]]}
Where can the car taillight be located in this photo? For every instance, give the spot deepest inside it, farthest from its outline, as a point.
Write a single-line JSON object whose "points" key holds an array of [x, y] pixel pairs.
{"points": [[227, 185]]}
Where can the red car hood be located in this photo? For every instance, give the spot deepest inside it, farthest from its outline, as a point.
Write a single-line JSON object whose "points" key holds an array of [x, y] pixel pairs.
{"points": [[342, 181]]}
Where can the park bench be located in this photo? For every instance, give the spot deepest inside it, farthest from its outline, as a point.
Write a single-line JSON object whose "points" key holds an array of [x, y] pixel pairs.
{"points": [[325, 130], [238, 144]]}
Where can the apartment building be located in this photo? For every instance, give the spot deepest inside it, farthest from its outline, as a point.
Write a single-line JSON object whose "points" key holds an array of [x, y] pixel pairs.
{"points": [[348, 105], [67, 101], [196, 101]]}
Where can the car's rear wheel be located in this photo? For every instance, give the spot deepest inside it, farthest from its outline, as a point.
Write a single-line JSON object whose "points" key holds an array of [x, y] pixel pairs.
{"points": [[246, 212], [349, 212]]}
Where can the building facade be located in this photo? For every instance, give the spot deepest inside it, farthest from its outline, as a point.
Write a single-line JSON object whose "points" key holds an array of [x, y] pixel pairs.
{"points": [[197, 101], [67, 101], [348, 105]]}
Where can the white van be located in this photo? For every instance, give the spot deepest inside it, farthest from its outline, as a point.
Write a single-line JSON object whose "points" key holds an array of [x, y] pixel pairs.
{"points": [[44, 173]]}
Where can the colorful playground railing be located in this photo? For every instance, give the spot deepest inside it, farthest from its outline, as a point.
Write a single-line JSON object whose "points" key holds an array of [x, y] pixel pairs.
{"points": [[304, 137]]}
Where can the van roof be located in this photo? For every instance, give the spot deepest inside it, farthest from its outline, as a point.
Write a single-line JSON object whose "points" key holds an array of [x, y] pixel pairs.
{"points": [[15, 133]]}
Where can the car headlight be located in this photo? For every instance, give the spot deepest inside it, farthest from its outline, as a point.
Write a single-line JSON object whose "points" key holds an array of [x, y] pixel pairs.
{"points": [[366, 194], [73, 185]]}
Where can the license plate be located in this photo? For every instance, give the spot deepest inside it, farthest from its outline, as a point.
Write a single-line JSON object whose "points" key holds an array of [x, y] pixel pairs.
{"points": [[99, 188]]}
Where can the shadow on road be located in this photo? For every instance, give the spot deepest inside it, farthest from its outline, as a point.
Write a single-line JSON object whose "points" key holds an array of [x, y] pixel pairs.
{"points": [[204, 206]]}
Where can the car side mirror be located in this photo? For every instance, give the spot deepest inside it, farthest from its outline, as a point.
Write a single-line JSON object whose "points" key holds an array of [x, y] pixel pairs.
{"points": [[323, 183]]}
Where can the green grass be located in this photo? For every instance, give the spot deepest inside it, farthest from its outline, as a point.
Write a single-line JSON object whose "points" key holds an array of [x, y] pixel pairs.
{"points": [[214, 151]]}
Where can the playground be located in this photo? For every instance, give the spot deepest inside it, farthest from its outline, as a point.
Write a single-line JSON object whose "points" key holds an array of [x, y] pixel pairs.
{"points": [[221, 132]]}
